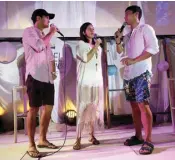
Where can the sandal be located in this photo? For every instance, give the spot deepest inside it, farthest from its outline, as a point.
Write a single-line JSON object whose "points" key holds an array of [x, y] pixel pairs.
{"points": [[148, 147], [77, 145], [94, 141], [49, 146], [133, 141], [34, 154]]}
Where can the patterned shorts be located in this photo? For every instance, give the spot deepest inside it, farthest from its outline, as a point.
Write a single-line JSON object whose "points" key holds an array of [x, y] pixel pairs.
{"points": [[138, 89]]}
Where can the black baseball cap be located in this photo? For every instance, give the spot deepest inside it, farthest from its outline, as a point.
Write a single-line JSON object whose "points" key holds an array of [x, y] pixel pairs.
{"points": [[41, 12]]}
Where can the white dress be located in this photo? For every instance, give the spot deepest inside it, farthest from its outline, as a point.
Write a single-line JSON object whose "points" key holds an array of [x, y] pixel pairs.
{"points": [[90, 98]]}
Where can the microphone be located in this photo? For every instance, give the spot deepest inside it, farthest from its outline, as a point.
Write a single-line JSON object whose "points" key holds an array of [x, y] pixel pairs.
{"points": [[57, 31], [96, 36], [122, 28]]}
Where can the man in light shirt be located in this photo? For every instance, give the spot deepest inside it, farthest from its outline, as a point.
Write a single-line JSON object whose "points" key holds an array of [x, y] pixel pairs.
{"points": [[40, 73], [139, 46]]}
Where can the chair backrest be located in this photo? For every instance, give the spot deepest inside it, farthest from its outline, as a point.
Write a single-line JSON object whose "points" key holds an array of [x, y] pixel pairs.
{"points": [[22, 69]]}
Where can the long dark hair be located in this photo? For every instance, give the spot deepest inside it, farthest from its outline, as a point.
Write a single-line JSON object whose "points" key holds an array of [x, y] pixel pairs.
{"points": [[83, 30]]}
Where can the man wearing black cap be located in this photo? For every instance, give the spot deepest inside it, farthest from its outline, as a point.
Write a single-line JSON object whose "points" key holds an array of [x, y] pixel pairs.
{"points": [[40, 73]]}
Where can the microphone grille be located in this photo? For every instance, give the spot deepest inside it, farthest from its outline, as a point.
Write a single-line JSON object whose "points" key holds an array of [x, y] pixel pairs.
{"points": [[51, 24], [96, 36], [124, 24]]}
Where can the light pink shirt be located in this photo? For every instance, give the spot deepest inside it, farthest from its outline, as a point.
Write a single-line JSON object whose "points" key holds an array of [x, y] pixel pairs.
{"points": [[38, 56]]}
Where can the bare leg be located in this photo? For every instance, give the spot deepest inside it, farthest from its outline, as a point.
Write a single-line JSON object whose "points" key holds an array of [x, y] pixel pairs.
{"points": [[92, 131], [147, 120], [92, 136], [136, 115], [95, 97], [77, 145], [31, 125], [44, 124]]}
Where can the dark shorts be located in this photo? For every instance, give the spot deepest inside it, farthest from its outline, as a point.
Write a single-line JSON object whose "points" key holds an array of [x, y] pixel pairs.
{"points": [[138, 89], [39, 93]]}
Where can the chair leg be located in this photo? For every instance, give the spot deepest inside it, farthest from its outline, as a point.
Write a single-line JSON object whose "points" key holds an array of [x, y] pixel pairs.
{"points": [[173, 118], [15, 114], [25, 110], [25, 126], [172, 108]]}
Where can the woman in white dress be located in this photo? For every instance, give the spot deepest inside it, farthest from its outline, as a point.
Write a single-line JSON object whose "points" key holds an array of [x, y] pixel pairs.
{"points": [[90, 106]]}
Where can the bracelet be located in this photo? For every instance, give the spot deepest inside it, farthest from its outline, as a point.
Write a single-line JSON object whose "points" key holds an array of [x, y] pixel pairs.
{"points": [[54, 73]]}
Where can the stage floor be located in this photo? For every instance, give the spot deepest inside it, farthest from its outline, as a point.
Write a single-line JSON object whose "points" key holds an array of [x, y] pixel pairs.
{"points": [[111, 147]]}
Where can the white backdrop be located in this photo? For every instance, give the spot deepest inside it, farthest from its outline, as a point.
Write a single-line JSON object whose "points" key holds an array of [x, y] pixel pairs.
{"points": [[69, 14], [106, 16]]}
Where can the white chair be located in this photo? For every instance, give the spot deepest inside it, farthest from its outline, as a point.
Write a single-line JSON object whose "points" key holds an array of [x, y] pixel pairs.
{"points": [[22, 115]]}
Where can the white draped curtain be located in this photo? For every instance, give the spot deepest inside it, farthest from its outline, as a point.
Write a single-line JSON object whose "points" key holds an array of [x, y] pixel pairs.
{"points": [[118, 104], [68, 14]]}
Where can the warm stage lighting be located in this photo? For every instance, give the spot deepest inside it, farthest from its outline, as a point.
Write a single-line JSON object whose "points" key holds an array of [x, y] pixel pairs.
{"points": [[70, 112], [2, 111]]}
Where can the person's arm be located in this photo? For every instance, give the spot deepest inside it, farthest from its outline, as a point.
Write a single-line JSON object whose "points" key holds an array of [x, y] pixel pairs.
{"points": [[143, 56], [53, 66], [119, 47], [53, 70], [118, 36], [151, 44], [47, 38], [31, 38], [84, 54], [51, 59], [52, 62], [91, 53]]}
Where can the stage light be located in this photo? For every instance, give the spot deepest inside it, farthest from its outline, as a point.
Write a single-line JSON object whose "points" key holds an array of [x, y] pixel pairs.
{"points": [[69, 105], [20, 107], [70, 117], [2, 111], [70, 112]]}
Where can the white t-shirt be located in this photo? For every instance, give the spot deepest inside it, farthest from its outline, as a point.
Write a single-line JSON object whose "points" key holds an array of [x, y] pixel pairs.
{"points": [[142, 38]]}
